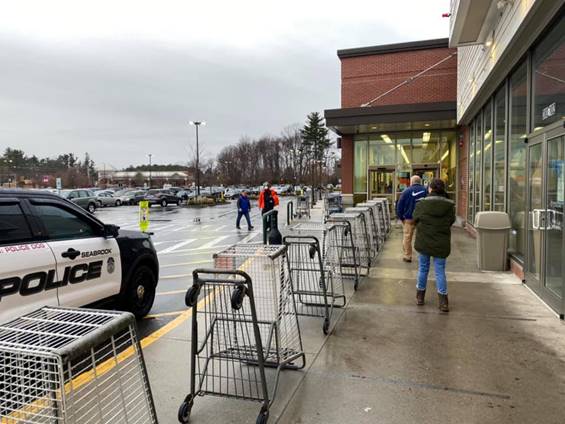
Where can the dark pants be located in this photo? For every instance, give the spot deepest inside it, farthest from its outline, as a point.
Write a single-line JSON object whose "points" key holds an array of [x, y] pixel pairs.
{"points": [[246, 215]]}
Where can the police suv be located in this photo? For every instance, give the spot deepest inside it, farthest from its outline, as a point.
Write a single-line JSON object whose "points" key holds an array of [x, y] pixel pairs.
{"points": [[52, 252]]}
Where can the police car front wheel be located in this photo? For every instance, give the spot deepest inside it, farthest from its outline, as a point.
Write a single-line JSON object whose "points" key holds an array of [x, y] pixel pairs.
{"points": [[140, 292]]}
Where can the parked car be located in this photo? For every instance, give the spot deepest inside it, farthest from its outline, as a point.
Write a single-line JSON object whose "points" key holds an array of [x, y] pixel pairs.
{"points": [[232, 193], [84, 198], [122, 196], [161, 197], [186, 194], [105, 198], [135, 196]]}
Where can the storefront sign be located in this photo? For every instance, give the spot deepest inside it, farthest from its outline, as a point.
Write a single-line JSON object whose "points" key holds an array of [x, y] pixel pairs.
{"points": [[548, 111]]}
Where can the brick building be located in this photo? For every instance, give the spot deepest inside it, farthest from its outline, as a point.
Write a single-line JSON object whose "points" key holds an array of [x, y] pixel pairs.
{"points": [[397, 117]]}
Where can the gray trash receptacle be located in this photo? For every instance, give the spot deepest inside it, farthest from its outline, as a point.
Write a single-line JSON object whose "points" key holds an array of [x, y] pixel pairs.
{"points": [[492, 240]]}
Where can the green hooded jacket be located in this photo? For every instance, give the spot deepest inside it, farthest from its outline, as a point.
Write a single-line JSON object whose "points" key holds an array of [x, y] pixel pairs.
{"points": [[434, 216]]}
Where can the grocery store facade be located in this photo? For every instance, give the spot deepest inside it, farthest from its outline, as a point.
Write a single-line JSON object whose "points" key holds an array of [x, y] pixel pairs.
{"points": [[484, 110]]}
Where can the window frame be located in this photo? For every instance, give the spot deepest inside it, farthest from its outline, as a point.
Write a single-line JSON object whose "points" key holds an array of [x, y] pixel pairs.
{"points": [[98, 227], [25, 216]]}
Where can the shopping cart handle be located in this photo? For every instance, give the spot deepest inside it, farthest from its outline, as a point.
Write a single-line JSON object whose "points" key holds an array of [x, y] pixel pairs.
{"points": [[231, 272]]}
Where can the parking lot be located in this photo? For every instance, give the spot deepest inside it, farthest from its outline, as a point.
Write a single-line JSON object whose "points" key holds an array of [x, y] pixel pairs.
{"points": [[185, 239]]}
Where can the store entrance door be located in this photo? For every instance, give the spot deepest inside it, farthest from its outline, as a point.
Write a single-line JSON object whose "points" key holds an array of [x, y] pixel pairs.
{"points": [[381, 184], [427, 172], [545, 258]]}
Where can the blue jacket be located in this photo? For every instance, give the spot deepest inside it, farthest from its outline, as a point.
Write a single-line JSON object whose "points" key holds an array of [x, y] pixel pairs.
{"points": [[243, 204], [407, 202]]}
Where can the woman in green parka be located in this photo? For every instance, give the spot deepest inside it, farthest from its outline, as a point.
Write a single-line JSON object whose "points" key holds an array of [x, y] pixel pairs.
{"points": [[434, 216]]}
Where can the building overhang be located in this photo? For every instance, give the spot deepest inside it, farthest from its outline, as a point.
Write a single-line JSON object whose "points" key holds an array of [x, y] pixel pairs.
{"points": [[472, 20], [438, 43], [419, 116]]}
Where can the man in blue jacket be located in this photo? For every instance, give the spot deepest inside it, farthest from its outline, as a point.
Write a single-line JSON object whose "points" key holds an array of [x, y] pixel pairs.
{"points": [[404, 210], [243, 208]]}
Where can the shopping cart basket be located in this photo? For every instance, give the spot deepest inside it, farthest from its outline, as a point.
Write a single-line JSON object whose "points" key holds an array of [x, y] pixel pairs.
{"points": [[372, 227], [313, 284], [379, 219], [331, 237], [61, 365], [358, 254], [303, 206], [332, 204], [382, 202], [243, 321]]}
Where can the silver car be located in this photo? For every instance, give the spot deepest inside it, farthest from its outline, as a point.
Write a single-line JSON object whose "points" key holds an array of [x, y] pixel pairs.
{"points": [[104, 198]]}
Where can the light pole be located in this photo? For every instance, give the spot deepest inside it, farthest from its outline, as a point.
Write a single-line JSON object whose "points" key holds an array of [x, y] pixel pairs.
{"points": [[150, 156], [197, 124]]}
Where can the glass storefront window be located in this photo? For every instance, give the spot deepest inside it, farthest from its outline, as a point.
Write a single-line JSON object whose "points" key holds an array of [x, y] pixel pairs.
{"points": [[425, 147], [499, 177], [360, 171], [471, 174], [381, 150], [517, 158], [478, 162], [487, 157], [549, 77], [448, 161]]}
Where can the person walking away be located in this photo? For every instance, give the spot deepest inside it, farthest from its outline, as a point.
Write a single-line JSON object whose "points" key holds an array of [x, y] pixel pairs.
{"points": [[268, 199], [243, 208], [404, 210], [434, 217]]}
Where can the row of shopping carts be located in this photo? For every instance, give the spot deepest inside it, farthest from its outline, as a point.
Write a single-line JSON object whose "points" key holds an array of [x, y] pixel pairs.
{"points": [[245, 327]]}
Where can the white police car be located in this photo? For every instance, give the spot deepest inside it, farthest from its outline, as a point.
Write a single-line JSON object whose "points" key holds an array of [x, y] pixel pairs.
{"points": [[52, 252]]}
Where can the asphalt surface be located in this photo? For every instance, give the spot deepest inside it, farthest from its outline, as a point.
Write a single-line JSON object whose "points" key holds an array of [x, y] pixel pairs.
{"points": [[185, 239]]}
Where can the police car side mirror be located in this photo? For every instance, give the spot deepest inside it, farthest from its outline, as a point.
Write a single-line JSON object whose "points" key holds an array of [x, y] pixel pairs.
{"points": [[111, 231]]}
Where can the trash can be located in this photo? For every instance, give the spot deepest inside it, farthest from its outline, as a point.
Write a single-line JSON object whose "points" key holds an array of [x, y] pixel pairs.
{"points": [[492, 240]]}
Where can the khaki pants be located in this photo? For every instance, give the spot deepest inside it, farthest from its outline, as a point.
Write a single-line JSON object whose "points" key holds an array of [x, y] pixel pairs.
{"points": [[408, 227]]}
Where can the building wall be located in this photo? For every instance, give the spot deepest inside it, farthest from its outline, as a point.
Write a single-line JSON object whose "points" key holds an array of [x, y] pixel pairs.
{"points": [[475, 63], [365, 77]]}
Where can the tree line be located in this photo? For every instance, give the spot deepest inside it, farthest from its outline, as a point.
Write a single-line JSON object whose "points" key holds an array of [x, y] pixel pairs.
{"points": [[297, 155], [18, 169]]}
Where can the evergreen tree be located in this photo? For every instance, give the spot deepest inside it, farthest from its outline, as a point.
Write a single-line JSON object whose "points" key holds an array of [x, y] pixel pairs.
{"points": [[315, 143]]}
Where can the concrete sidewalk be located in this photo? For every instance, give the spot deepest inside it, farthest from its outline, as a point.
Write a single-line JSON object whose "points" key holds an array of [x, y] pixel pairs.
{"points": [[497, 357]]}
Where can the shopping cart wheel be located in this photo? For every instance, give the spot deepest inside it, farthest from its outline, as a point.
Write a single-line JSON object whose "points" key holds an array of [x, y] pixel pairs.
{"points": [[237, 297], [263, 417], [192, 296], [326, 326], [184, 410]]}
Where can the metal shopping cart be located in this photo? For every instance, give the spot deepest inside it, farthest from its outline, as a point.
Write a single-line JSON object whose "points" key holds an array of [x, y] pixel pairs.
{"points": [[243, 321], [382, 203], [61, 365], [313, 283], [303, 206], [372, 227], [358, 254], [379, 219], [332, 237], [332, 204]]}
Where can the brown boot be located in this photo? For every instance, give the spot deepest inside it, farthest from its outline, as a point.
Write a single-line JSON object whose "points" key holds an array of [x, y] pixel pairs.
{"points": [[443, 303], [420, 294]]}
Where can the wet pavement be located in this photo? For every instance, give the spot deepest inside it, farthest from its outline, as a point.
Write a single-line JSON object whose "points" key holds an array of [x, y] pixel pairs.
{"points": [[497, 357]]}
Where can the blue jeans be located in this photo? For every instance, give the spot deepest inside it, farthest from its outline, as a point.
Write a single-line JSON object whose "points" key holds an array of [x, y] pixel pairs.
{"points": [[424, 269], [247, 218]]}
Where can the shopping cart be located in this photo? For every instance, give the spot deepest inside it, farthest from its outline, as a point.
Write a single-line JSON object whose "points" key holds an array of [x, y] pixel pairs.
{"points": [[313, 283], [61, 365], [303, 206], [332, 237], [358, 254], [332, 204], [382, 202], [371, 221], [379, 219], [243, 321]]}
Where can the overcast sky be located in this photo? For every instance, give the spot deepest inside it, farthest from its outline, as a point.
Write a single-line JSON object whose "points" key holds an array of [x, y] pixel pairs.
{"points": [[122, 78]]}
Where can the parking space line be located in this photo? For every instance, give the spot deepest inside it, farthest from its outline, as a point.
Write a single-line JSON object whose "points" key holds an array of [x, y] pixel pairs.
{"points": [[213, 242], [250, 237], [186, 263], [176, 246], [164, 314]]}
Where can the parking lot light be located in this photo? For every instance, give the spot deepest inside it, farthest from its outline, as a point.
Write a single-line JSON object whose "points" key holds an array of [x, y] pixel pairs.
{"points": [[197, 124]]}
